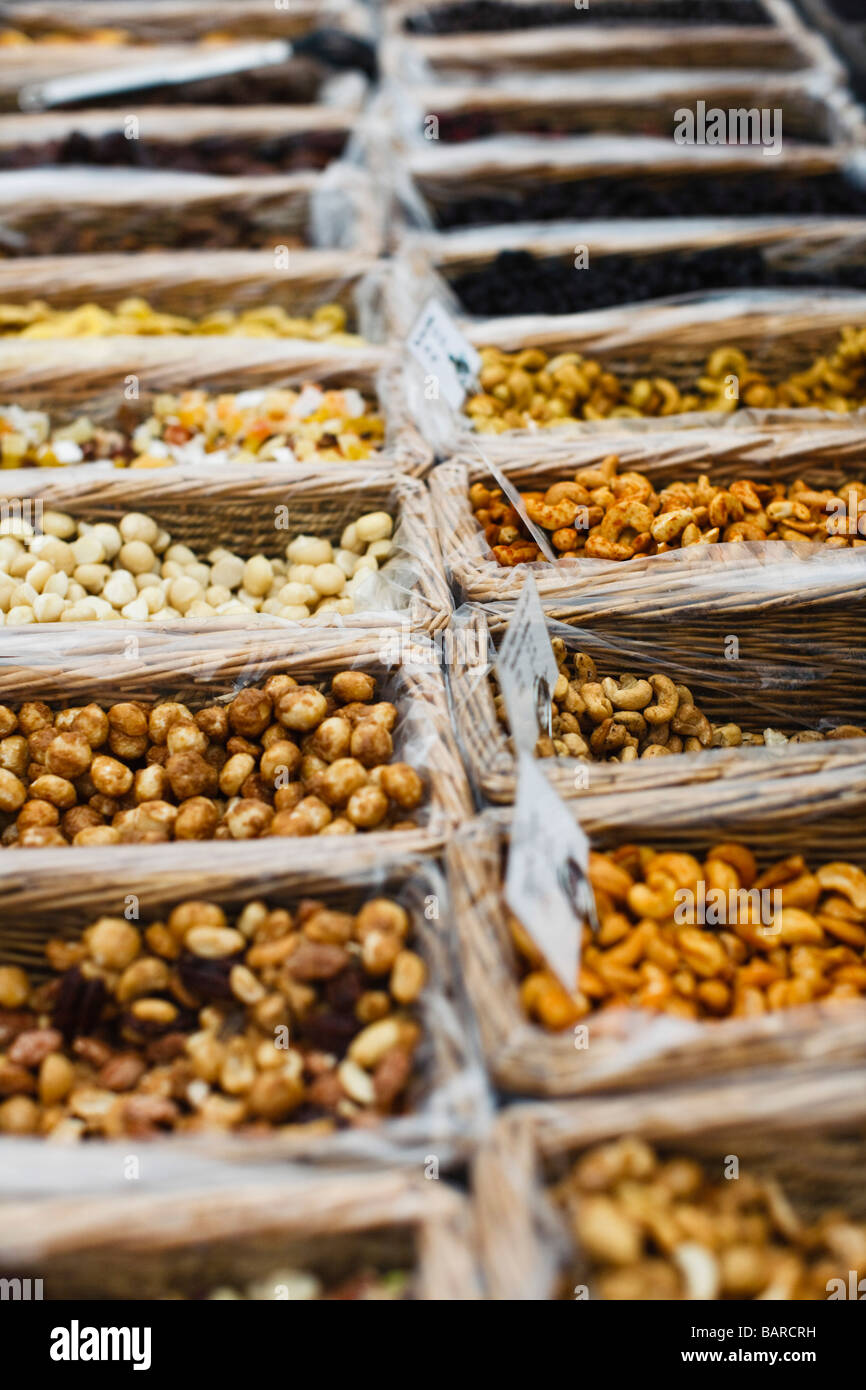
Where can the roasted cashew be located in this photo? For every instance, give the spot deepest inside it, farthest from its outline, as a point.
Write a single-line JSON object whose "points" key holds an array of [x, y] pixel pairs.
{"points": [[847, 880], [628, 515], [598, 707], [668, 525], [667, 699], [629, 694]]}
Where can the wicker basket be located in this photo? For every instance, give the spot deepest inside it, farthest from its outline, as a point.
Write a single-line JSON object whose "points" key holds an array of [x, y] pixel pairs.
{"points": [[731, 576], [237, 507], [781, 332], [447, 1105], [140, 1246], [847, 39], [187, 19], [112, 210], [432, 261], [794, 675], [820, 815], [202, 668], [72, 377], [783, 44], [815, 109], [808, 1134]]}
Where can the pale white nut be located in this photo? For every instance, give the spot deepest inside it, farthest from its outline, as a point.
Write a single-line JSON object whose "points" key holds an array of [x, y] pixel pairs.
{"points": [[271, 605], [21, 564], [366, 562], [336, 605], [137, 557], [48, 607], [231, 609], [294, 612], [183, 592], [75, 591], [349, 539], [181, 554], [39, 574], [120, 588], [347, 560], [200, 608], [148, 581], [375, 526], [250, 603], [59, 524], [111, 537], [56, 552], [302, 574], [309, 550], [137, 526], [217, 594], [380, 550], [154, 598], [228, 572], [294, 593], [170, 569], [162, 542], [357, 1083], [23, 593], [78, 613], [101, 606], [93, 578], [199, 572], [258, 575], [328, 580], [88, 550], [7, 589], [136, 611], [699, 1269], [20, 615], [58, 584]]}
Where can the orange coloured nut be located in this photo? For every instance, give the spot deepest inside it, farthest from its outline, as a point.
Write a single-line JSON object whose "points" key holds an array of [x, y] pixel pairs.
{"points": [[401, 783], [127, 746], [286, 798], [77, 818], [339, 781], [213, 720], [302, 709], [33, 715], [127, 718], [14, 754], [150, 783], [57, 790], [367, 807], [740, 858], [13, 792], [185, 736], [97, 835], [110, 777], [34, 813], [332, 739], [92, 722], [248, 819], [8, 721], [189, 775], [292, 822], [314, 809], [197, 819], [162, 717], [235, 772], [280, 762], [371, 743], [250, 712], [68, 755], [353, 685], [41, 837]]}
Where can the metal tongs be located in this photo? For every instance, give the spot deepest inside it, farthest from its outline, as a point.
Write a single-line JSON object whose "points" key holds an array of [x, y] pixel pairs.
{"points": [[331, 47]]}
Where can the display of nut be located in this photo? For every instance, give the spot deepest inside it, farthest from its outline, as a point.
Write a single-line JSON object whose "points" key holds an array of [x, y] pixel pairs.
{"points": [[147, 577], [528, 389], [269, 761], [619, 719], [137, 1014], [653, 1224], [602, 514], [364, 1286], [711, 939], [134, 317]]}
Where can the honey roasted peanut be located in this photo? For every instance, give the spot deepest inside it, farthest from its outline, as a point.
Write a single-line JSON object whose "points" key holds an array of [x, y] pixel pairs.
{"points": [[710, 939]]}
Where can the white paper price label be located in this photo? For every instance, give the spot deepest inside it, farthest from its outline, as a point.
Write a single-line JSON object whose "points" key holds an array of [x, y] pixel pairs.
{"points": [[527, 669], [519, 506], [443, 351], [547, 883]]}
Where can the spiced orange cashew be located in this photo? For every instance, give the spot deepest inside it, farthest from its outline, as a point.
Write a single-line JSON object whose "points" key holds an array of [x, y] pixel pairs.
{"points": [[668, 525], [667, 699], [847, 880]]}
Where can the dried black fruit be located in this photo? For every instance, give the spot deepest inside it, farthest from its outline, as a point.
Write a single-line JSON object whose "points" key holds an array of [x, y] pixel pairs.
{"points": [[79, 1004], [344, 990], [328, 1032], [497, 16], [207, 979]]}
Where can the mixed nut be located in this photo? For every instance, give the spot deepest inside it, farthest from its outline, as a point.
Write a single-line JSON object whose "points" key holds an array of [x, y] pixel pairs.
{"points": [[77, 572], [528, 388], [621, 720], [282, 758], [200, 1021], [655, 1225], [804, 942], [256, 426], [602, 514], [137, 318]]}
